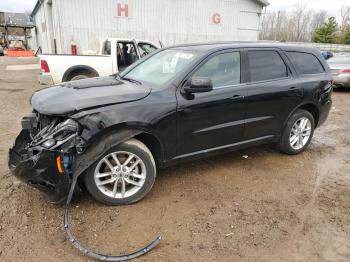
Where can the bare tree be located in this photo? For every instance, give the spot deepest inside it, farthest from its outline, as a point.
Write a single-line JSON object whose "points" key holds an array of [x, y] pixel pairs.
{"points": [[318, 19], [345, 17], [299, 21], [296, 25]]}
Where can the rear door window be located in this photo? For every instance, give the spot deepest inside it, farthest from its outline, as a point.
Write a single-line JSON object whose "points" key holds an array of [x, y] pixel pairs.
{"points": [[306, 63], [266, 65]]}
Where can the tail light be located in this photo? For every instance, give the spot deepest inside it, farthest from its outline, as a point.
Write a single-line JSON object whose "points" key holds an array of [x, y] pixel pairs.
{"points": [[345, 71], [44, 66]]}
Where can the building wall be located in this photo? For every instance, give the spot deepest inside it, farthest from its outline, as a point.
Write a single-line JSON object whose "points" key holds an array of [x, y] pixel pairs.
{"points": [[88, 22], [43, 34]]}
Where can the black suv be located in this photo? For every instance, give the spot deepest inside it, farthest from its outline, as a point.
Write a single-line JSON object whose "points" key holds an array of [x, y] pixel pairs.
{"points": [[177, 104]]}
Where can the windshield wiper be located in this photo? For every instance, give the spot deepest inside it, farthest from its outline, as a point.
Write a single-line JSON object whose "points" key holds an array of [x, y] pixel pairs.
{"points": [[132, 80]]}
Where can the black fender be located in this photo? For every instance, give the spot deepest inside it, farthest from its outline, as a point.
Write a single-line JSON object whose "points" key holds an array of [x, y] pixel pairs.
{"points": [[78, 67], [307, 103], [99, 147]]}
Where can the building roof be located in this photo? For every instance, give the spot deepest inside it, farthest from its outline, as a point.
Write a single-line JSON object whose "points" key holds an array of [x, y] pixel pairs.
{"points": [[16, 20], [36, 8], [263, 2]]}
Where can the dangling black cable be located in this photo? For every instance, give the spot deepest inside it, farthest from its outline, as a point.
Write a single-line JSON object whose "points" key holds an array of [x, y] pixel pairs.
{"points": [[91, 253]]}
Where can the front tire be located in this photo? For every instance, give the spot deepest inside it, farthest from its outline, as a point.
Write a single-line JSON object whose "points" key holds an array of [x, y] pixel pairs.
{"points": [[298, 133], [122, 175]]}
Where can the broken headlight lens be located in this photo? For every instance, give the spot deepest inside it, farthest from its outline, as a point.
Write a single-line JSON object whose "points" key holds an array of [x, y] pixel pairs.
{"points": [[55, 135], [49, 143]]}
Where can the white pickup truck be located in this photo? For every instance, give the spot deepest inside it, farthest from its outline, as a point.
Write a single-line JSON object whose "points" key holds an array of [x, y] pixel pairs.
{"points": [[115, 55]]}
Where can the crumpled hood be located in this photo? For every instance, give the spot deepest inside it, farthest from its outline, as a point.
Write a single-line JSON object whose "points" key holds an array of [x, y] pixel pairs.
{"points": [[88, 93]]}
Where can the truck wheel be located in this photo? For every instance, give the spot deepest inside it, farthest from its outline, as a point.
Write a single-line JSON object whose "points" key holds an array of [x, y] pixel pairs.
{"points": [[123, 175], [79, 77], [298, 133]]}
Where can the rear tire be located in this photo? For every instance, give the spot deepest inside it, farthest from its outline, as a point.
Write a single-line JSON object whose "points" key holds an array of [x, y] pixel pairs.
{"points": [[129, 181], [79, 77], [298, 133]]}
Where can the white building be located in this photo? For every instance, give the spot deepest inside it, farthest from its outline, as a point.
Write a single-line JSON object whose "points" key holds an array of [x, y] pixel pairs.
{"points": [[88, 22]]}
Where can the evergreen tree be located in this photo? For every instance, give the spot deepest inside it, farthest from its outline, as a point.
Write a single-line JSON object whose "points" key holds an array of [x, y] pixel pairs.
{"points": [[327, 32], [346, 35]]}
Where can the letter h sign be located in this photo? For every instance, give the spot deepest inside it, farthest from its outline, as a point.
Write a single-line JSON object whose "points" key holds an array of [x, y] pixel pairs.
{"points": [[122, 10]]}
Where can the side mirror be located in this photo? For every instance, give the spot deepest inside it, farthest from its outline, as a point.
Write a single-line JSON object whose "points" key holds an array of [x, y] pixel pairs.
{"points": [[199, 85]]}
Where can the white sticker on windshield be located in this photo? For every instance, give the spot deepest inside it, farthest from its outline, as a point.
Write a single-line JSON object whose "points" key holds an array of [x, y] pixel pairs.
{"points": [[184, 55], [166, 68], [170, 67]]}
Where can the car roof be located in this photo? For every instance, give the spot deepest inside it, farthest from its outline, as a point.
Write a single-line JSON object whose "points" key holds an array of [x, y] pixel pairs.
{"points": [[206, 47]]}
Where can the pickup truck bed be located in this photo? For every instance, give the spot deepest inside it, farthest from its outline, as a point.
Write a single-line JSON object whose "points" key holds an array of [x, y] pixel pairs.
{"points": [[73, 67]]}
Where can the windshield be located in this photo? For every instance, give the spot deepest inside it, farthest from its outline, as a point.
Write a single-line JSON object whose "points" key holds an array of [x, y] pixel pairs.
{"points": [[162, 67], [339, 60]]}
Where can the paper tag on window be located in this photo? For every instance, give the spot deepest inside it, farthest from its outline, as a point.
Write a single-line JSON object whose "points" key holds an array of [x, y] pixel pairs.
{"points": [[184, 55]]}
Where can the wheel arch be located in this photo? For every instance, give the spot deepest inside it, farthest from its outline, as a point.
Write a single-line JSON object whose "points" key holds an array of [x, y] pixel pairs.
{"points": [[79, 68], [313, 110], [139, 131], [154, 145], [114, 135], [310, 107]]}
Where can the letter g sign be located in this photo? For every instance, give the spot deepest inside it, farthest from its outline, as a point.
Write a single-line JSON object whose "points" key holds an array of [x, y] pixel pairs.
{"points": [[216, 19]]}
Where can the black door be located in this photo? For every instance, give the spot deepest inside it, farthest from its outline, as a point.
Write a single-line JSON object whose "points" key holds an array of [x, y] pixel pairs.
{"points": [[214, 119], [272, 93]]}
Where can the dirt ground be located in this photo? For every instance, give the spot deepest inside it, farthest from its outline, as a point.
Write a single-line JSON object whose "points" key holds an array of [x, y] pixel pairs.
{"points": [[267, 207]]}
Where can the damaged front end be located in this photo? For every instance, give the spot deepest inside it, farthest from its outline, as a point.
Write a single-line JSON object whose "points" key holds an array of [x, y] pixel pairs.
{"points": [[44, 152], [49, 154]]}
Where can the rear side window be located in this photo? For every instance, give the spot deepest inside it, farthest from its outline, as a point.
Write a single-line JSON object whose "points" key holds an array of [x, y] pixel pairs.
{"points": [[266, 65], [306, 63]]}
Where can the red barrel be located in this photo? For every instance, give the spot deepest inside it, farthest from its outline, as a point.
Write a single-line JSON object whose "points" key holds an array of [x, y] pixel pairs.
{"points": [[74, 48]]}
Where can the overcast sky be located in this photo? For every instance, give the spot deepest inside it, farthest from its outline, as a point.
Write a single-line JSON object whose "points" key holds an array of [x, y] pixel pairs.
{"points": [[17, 5], [330, 5]]}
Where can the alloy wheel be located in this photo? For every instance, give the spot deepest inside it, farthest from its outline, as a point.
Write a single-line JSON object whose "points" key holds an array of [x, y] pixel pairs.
{"points": [[300, 133], [120, 174]]}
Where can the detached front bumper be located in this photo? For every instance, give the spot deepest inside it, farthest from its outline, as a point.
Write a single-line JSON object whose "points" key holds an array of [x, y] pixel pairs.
{"points": [[40, 170]]}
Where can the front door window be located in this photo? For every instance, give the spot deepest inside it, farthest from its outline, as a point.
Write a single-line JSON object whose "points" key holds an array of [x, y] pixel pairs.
{"points": [[223, 69]]}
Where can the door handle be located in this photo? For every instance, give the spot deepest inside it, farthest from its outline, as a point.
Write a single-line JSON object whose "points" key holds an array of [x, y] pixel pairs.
{"points": [[237, 97]]}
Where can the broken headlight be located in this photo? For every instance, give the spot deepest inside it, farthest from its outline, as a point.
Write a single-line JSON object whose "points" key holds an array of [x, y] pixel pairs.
{"points": [[56, 134]]}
